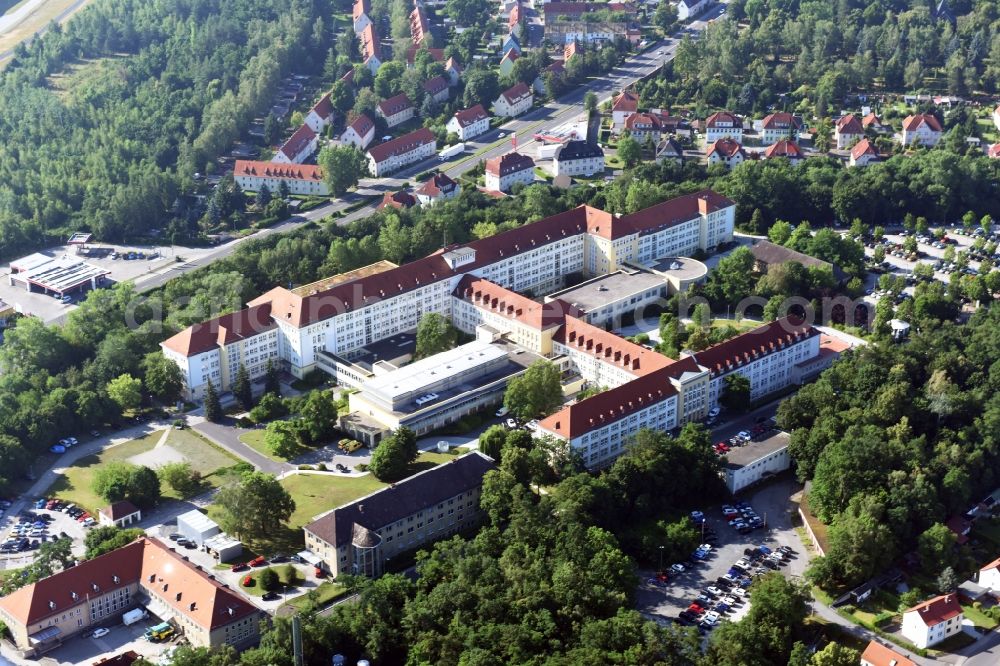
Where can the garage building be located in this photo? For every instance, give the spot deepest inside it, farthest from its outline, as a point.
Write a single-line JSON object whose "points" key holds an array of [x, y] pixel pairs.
{"points": [[197, 527]]}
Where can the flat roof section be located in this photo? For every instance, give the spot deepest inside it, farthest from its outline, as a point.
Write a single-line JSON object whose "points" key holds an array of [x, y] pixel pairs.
{"points": [[598, 292], [394, 350], [58, 275], [426, 372], [742, 456], [682, 268], [342, 278]]}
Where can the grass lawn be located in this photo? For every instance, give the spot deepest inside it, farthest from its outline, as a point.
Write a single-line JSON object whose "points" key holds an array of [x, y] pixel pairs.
{"points": [[979, 618], [951, 644], [76, 484], [316, 493], [255, 440], [287, 575], [321, 596]]}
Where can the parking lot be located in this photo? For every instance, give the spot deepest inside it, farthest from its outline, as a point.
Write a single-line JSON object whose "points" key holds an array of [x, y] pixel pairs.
{"points": [[39, 525], [665, 602], [120, 638]]}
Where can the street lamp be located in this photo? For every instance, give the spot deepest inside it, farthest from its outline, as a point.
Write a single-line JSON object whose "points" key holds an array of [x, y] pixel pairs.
{"points": [[661, 560]]}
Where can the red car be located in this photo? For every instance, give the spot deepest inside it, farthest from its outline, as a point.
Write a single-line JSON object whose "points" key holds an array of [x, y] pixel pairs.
{"points": [[696, 609], [248, 581], [82, 517], [319, 573], [258, 561], [240, 567]]}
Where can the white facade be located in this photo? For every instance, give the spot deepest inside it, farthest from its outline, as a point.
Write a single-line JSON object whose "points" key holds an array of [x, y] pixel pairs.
{"points": [[721, 127], [581, 166], [359, 141], [688, 9], [601, 446], [297, 151], [774, 462], [470, 131], [771, 371], [916, 630], [397, 117], [923, 135], [420, 151], [304, 186], [730, 160], [508, 108], [989, 577], [507, 181]]}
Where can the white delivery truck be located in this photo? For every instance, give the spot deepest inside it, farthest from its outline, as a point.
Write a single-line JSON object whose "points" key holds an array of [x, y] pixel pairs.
{"points": [[450, 151], [133, 616], [548, 151]]}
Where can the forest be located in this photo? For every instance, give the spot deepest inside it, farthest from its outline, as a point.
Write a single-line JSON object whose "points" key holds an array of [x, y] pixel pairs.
{"points": [[106, 120]]}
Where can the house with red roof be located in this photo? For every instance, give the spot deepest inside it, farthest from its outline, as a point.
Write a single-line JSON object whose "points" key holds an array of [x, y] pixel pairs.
{"points": [[623, 106], [396, 110], [777, 126], [400, 200], [557, 69], [726, 151], [304, 179], [993, 151], [723, 125], [785, 148], [397, 153], [863, 153], [514, 20], [437, 89], [872, 123], [359, 133], [876, 654], [299, 147], [453, 71], [420, 27], [514, 101], [922, 129], [469, 123], [848, 131], [505, 171], [437, 55], [371, 48], [439, 187], [119, 514], [361, 15], [320, 115], [933, 621], [507, 63], [989, 576]]}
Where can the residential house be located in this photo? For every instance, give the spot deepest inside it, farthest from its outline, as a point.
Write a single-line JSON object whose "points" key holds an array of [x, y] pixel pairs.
{"points": [[320, 115], [989, 576], [571, 49], [848, 131], [933, 621], [877, 654], [623, 106], [873, 123], [645, 127], [453, 71], [863, 153], [437, 55], [565, 21], [993, 152], [371, 49], [510, 43], [785, 148], [921, 129], [688, 9], [120, 514], [578, 158], [514, 101], [361, 13], [777, 126], [419, 26], [400, 199], [503, 172], [299, 147], [469, 123], [396, 110], [358, 538], [359, 133], [557, 69], [437, 89], [439, 187], [302, 179], [960, 526], [398, 153], [669, 149], [514, 20], [722, 125], [767, 254], [725, 151], [507, 62], [42, 615]]}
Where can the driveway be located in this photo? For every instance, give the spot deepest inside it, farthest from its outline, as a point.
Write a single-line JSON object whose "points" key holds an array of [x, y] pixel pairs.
{"points": [[227, 435]]}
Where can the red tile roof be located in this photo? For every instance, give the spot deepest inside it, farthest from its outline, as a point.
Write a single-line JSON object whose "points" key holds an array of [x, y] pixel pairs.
{"points": [[452, 64], [297, 142], [411, 53], [224, 330], [435, 85], [370, 45], [715, 120], [864, 147], [626, 101], [754, 344], [780, 120], [309, 172], [877, 654], [849, 124], [419, 27], [992, 565], [398, 200], [362, 125], [516, 93], [960, 527], [438, 184], [361, 7], [509, 163], [324, 107], [784, 148], [571, 50], [937, 610], [401, 145], [726, 147], [515, 15], [119, 510], [673, 212], [472, 115], [394, 105], [491, 297], [912, 123], [993, 151], [610, 348], [510, 55], [871, 120]]}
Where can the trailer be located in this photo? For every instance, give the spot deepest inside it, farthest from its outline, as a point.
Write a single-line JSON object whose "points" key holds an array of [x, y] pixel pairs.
{"points": [[134, 615], [450, 151]]}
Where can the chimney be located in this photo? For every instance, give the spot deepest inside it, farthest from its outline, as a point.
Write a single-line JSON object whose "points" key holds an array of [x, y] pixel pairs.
{"points": [[703, 205]]}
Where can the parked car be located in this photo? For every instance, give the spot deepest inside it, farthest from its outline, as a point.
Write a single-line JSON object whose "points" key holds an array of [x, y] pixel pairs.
{"points": [[258, 561], [100, 632], [247, 581], [677, 568], [271, 596], [240, 566]]}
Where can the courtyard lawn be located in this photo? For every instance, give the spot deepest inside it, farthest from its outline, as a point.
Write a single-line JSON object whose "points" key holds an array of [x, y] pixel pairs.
{"points": [[316, 493], [255, 440], [75, 485], [282, 570]]}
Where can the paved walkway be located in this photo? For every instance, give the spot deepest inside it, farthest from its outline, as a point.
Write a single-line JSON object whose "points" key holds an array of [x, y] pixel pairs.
{"points": [[227, 435]]}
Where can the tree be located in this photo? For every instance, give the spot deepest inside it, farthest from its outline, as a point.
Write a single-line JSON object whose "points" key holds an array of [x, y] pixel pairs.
{"points": [[255, 507], [736, 392], [936, 547], [392, 457], [342, 167], [469, 13], [105, 538], [184, 479], [242, 389], [125, 391], [481, 87], [835, 654], [272, 380], [492, 441], [268, 579], [590, 102], [162, 376], [263, 196], [394, 240], [435, 334], [270, 407], [319, 416], [535, 393], [629, 151], [665, 17], [779, 232], [116, 481], [281, 438], [213, 407]]}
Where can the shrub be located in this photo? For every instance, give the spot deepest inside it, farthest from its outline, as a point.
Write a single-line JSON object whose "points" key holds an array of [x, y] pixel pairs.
{"points": [[179, 424], [321, 467], [244, 422], [290, 575], [269, 579], [883, 618], [305, 467]]}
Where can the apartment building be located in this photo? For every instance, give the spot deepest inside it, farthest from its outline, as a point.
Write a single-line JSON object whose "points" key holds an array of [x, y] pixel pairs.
{"points": [[320, 115], [726, 151], [361, 12], [42, 615], [348, 311], [371, 48], [777, 126], [723, 125], [305, 179], [396, 110], [514, 101], [360, 537], [933, 621], [578, 158], [400, 152], [437, 89], [785, 149], [359, 133], [503, 172], [848, 131], [469, 123], [439, 187], [299, 147], [921, 130]]}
